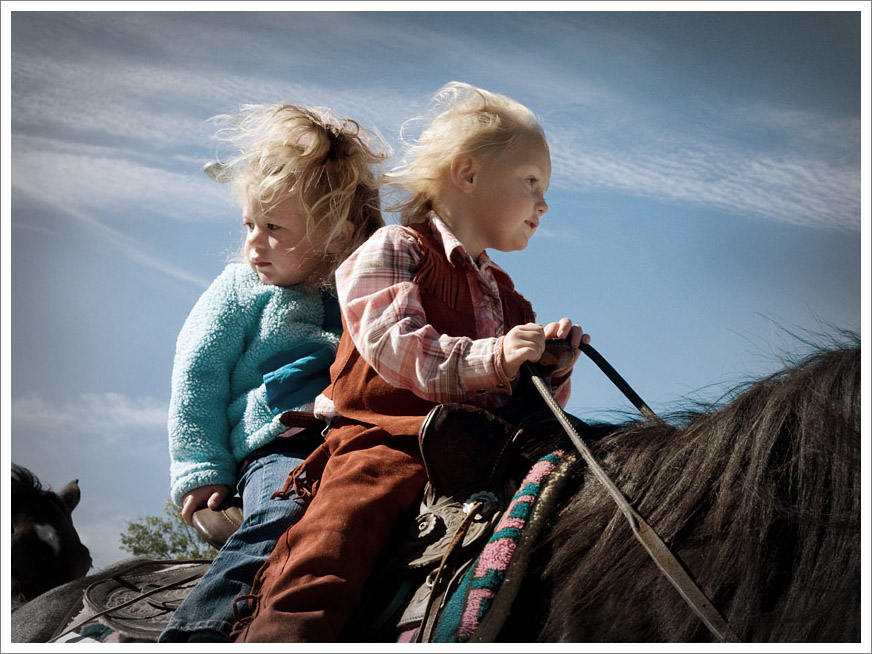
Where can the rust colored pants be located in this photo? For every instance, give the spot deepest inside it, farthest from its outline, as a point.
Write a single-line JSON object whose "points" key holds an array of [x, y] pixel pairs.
{"points": [[312, 581]]}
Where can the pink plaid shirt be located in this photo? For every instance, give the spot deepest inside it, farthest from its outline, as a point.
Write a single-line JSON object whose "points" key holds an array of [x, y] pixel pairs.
{"points": [[386, 321]]}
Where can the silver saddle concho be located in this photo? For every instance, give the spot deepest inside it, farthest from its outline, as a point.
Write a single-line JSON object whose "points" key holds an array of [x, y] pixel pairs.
{"points": [[464, 451], [462, 447]]}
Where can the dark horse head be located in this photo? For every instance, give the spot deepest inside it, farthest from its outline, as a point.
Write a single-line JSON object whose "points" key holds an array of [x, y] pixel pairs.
{"points": [[46, 550]]}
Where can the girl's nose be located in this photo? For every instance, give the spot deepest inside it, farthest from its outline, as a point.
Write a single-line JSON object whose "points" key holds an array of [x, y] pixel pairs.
{"points": [[254, 235], [542, 206]]}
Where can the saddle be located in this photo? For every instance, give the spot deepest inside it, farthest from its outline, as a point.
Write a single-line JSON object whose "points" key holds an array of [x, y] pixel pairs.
{"points": [[473, 475], [467, 453], [473, 472], [132, 602], [464, 450], [477, 476], [473, 490], [215, 526]]}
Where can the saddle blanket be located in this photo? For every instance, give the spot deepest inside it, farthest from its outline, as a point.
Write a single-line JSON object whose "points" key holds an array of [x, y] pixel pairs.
{"points": [[477, 609]]}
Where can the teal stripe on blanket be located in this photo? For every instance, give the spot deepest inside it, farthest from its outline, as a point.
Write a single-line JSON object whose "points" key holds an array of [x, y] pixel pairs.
{"points": [[461, 615], [492, 579], [449, 624]]}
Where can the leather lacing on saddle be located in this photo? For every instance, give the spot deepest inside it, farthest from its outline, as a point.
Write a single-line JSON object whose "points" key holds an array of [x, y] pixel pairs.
{"points": [[138, 600]]}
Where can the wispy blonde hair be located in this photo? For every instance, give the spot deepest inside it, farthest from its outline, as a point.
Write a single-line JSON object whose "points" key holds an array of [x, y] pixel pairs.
{"points": [[331, 165], [465, 120]]}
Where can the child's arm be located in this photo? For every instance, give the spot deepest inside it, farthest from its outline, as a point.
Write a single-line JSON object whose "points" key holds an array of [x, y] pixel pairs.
{"points": [[523, 343], [386, 320], [199, 432]]}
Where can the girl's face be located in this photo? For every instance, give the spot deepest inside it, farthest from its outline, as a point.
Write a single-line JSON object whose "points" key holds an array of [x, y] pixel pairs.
{"points": [[276, 245], [508, 198]]}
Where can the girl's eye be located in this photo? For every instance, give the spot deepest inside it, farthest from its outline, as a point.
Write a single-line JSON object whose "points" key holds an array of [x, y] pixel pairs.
{"points": [[272, 227], [248, 226]]}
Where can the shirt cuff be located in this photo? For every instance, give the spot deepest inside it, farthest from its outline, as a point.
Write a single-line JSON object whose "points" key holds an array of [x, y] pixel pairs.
{"points": [[504, 381], [484, 373]]}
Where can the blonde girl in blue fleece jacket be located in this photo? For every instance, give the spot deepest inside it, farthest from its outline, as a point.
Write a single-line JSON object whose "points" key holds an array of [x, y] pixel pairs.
{"points": [[255, 350]]}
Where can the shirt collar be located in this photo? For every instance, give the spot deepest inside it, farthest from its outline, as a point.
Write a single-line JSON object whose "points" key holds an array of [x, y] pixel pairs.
{"points": [[452, 245]]}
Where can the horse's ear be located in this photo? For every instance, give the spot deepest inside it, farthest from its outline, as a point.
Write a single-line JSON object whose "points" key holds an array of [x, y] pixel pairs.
{"points": [[70, 495]]}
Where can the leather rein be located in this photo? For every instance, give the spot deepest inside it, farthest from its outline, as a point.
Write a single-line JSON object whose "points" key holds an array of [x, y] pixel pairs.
{"points": [[666, 561]]}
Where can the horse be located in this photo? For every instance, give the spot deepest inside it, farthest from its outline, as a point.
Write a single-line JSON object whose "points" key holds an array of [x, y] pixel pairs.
{"points": [[757, 497], [45, 550], [760, 500]]}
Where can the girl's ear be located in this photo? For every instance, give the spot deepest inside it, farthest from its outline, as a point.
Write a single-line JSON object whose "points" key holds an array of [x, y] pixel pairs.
{"points": [[340, 242], [463, 171]]}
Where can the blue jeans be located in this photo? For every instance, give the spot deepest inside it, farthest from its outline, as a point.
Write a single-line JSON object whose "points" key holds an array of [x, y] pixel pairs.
{"points": [[209, 606]]}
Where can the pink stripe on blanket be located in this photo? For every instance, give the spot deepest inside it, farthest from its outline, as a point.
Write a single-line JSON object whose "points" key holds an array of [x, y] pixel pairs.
{"points": [[539, 471], [408, 636], [470, 620], [495, 556], [513, 523], [521, 499]]}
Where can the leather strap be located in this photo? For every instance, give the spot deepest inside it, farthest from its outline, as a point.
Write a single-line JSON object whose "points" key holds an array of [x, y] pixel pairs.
{"points": [[441, 577], [301, 419], [618, 381], [653, 544], [179, 580]]}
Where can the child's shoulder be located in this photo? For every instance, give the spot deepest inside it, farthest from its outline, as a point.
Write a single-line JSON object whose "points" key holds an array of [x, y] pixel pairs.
{"points": [[236, 274], [240, 281], [412, 233], [395, 231], [393, 237]]}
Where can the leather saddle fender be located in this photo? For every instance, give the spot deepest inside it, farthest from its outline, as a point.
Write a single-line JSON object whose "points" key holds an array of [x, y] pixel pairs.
{"points": [[463, 448]]}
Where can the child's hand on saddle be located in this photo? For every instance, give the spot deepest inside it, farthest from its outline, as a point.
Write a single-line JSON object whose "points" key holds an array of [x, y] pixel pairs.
{"points": [[212, 496], [522, 343]]}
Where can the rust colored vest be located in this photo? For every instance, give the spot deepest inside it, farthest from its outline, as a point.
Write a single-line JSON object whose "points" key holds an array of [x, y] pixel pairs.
{"points": [[360, 393]]}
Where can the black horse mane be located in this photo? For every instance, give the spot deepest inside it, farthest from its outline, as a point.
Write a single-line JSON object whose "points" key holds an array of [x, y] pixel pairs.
{"points": [[760, 499]]}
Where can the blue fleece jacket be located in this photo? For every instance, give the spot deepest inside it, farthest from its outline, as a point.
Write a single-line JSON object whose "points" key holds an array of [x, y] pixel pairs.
{"points": [[219, 411]]}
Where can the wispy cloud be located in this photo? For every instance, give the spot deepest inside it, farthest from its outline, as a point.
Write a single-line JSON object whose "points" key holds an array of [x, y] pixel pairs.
{"points": [[116, 182], [784, 187], [132, 249], [110, 416], [106, 191], [120, 127]]}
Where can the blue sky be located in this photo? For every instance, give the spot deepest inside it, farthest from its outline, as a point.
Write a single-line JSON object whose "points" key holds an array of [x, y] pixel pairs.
{"points": [[705, 197]]}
